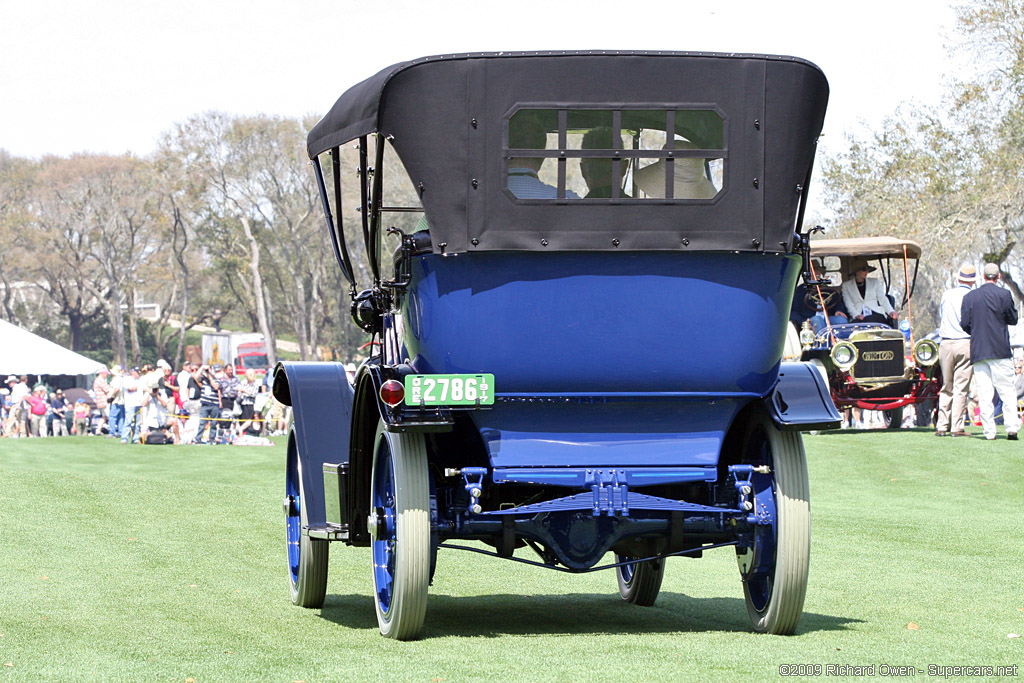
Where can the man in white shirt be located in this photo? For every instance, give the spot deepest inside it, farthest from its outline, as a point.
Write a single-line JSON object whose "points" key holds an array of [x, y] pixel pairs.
{"points": [[20, 389], [16, 417], [183, 377], [134, 392], [115, 421], [954, 357]]}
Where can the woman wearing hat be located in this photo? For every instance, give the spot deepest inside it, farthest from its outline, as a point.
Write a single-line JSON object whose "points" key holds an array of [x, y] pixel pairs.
{"points": [[864, 297], [81, 413]]}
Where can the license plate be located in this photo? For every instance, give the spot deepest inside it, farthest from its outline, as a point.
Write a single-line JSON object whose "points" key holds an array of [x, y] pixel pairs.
{"points": [[449, 390]]}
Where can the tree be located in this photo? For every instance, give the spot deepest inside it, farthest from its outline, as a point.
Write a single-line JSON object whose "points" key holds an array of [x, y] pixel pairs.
{"points": [[226, 215], [948, 177], [183, 202], [273, 180], [113, 202], [206, 145], [993, 106], [61, 240], [16, 183]]}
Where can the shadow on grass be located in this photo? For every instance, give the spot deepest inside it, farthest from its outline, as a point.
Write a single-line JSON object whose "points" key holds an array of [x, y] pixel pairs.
{"points": [[875, 430], [571, 614]]}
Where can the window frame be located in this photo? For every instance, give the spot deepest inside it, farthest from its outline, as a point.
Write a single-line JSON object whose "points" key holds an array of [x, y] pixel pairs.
{"points": [[562, 153]]}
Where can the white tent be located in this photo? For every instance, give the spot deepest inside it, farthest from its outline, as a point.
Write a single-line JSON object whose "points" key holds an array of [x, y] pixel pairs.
{"points": [[24, 353]]}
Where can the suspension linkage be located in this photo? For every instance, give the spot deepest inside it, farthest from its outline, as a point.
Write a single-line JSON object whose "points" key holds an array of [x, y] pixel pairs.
{"points": [[591, 569]]}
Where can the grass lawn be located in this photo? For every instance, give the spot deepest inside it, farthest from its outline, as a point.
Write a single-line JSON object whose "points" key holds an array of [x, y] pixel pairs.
{"points": [[143, 563]]}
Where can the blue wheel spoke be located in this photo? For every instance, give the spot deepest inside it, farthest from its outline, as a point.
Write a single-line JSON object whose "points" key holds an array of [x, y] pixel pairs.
{"points": [[761, 576], [384, 548], [293, 528]]}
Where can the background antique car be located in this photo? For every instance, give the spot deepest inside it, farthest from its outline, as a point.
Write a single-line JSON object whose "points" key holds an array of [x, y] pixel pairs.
{"points": [[581, 337], [872, 365]]}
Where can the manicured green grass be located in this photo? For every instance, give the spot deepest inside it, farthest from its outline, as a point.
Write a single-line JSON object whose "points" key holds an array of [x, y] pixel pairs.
{"points": [[146, 563]]}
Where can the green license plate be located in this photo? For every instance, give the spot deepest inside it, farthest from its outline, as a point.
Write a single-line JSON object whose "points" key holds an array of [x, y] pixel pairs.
{"points": [[449, 390]]}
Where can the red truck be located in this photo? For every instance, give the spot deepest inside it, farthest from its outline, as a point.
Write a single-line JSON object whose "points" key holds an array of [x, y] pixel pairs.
{"points": [[244, 350]]}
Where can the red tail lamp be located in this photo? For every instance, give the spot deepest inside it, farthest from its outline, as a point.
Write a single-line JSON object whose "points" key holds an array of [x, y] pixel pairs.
{"points": [[392, 392]]}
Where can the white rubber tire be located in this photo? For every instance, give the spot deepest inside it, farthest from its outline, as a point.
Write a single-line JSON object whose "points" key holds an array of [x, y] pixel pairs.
{"points": [[643, 586], [405, 614], [785, 604], [310, 586]]}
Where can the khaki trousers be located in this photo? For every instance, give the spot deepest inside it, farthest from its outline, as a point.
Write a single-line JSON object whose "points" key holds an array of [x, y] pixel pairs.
{"points": [[955, 361]]}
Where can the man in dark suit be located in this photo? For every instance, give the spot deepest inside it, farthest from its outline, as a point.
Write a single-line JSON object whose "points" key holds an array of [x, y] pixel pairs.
{"points": [[986, 314]]}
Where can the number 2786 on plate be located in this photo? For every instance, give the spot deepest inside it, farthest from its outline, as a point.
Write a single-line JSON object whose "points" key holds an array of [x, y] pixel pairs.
{"points": [[449, 390]]}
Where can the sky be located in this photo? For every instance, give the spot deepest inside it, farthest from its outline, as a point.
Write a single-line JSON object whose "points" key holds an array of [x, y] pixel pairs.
{"points": [[109, 76]]}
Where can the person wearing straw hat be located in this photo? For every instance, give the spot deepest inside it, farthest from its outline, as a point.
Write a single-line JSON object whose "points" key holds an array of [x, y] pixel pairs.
{"points": [[954, 357], [864, 297], [985, 314]]}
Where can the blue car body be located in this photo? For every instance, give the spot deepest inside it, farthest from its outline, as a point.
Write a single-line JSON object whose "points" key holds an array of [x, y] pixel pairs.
{"points": [[634, 338]]}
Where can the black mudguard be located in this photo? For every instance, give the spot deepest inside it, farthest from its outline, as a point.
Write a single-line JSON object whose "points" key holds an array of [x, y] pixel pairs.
{"points": [[801, 400], [321, 400]]}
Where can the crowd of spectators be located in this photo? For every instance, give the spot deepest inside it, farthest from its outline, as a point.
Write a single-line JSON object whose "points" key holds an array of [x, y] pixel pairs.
{"points": [[201, 404]]}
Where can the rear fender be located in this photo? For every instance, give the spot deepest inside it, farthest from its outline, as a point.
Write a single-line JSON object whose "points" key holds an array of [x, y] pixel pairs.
{"points": [[321, 399], [367, 411], [801, 400]]}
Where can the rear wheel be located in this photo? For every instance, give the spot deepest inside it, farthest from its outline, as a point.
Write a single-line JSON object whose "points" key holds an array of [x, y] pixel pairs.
{"points": [[774, 567], [400, 527], [307, 557], [640, 583], [893, 418]]}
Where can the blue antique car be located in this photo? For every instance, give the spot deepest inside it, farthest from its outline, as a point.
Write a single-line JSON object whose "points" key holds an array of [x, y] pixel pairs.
{"points": [[581, 325]]}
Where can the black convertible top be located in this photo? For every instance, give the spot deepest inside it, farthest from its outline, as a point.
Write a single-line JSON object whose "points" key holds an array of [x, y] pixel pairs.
{"points": [[447, 118]]}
